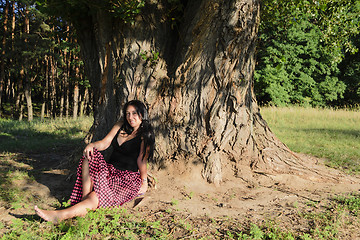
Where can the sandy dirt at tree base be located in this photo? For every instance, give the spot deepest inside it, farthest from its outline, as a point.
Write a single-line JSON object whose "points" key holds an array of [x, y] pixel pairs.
{"points": [[181, 189]]}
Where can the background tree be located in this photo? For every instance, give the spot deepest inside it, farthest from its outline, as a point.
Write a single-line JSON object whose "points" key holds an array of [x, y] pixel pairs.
{"points": [[350, 75], [301, 46]]}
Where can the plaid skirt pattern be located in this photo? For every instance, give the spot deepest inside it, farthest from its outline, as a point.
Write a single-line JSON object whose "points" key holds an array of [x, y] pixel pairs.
{"points": [[112, 186]]}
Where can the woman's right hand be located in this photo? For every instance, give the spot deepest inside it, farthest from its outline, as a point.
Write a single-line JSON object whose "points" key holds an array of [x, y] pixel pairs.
{"points": [[88, 151]]}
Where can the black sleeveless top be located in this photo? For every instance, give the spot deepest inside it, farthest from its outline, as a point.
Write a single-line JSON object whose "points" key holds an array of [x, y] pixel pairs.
{"points": [[124, 157]]}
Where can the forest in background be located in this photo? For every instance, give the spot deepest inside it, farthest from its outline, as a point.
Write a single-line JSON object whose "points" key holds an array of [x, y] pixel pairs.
{"points": [[41, 69], [307, 55]]}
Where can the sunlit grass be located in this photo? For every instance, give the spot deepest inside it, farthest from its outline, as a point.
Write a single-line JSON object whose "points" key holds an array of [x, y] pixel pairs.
{"points": [[44, 136], [326, 133]]}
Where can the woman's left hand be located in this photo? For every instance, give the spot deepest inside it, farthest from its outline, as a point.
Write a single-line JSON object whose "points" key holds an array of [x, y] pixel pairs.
{"points": [[143, 188]]}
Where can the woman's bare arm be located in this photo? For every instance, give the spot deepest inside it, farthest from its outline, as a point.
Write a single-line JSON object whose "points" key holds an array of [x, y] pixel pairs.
{"points": [[103, 143], [142, 164]]}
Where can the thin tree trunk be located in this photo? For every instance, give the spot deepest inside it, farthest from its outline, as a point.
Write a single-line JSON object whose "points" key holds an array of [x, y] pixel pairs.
{"points": [[27, 81], [44, 91], [62, 97], [47, 84], [64, 78], [52, 90], [27, 93], [13, 25], [83, 102], [67, 83], [11, 61], [67, 99], [45, 88], [76, 88], [2, 60], [21, 106], [16, 111], [9, 91], [81, 99], [87, 103], [43, 69], [42, 114], [62, 94], [76, 100]]}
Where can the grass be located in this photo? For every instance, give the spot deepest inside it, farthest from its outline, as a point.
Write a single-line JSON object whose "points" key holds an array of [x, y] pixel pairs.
{"points": [[41, 136], [325, 133], [333, 218], [119, 223], [17, 139]]}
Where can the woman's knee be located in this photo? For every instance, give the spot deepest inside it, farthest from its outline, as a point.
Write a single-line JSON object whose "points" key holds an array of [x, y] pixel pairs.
{"points": [[92, 197]]}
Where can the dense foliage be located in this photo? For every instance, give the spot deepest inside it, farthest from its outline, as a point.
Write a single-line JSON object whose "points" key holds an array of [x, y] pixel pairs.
{"points": [[74, 10], [350, 75], [302, 46]]}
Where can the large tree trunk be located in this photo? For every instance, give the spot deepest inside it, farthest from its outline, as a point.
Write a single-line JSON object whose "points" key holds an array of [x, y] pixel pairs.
{"points": [[197, 83]]}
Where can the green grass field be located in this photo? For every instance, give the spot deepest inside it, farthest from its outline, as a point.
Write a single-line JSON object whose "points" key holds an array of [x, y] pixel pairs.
{"points": [[325, 133], [331, 134]]}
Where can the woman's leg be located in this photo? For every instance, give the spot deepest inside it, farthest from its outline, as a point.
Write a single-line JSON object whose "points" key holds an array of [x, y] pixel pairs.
{"points": [[78, 210], [87, 184]]}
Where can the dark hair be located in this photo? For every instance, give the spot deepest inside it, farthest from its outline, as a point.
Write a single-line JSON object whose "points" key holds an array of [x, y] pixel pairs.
{"points": [[145, 130]]}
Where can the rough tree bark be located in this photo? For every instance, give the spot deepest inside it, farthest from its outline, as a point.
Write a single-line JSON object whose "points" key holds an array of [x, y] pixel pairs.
{"points": [[197, 83]]}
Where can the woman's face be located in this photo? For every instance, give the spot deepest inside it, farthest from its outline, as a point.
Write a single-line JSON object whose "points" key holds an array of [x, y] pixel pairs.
{"points": [[133, 117]]}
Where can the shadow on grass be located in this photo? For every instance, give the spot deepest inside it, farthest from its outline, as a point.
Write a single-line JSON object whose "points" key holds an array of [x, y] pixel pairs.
{"points": [[338, 146], [33, 170], [40, 155], [335, 132], [32, 141], [28, 217]]}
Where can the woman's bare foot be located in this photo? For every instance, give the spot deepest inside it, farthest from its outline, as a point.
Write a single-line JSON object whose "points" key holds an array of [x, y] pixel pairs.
{"points": [[50, 216]]}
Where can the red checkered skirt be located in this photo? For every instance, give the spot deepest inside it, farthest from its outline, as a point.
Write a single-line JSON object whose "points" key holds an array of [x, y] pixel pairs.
{"points": [[112, 186]]}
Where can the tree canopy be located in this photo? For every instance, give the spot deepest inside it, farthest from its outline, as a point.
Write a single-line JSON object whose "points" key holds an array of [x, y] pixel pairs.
{"points": [[301, 46]]}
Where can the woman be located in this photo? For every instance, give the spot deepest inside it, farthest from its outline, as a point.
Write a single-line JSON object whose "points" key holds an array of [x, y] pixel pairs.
{"points": [[101, 184]]}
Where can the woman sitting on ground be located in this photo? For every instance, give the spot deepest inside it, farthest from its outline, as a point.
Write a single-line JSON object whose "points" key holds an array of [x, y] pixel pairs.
{"points": [[102, 184]]}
